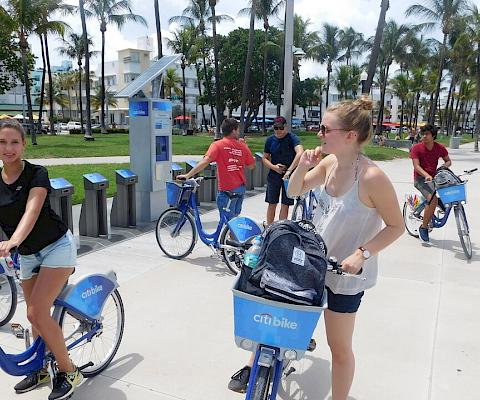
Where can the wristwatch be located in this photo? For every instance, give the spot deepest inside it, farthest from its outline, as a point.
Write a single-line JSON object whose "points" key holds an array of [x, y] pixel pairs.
{"points": [[365, 253]]}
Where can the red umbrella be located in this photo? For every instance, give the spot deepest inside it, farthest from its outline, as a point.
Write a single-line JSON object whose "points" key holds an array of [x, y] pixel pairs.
{"points": [[182, 117]]}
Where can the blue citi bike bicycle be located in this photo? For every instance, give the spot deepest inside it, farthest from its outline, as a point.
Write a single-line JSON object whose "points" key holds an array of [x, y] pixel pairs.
{"points": [[278, 333], [304, 208], [179, 227], [451, 191], [91, 315], [8, 287]]}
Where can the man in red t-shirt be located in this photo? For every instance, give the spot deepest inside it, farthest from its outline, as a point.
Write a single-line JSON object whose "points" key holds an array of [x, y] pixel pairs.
{"points": [[232, 155], [425, 156]]}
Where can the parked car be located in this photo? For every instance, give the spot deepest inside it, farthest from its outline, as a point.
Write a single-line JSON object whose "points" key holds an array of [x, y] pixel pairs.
{"points": [[73, 125], [313, 128]]}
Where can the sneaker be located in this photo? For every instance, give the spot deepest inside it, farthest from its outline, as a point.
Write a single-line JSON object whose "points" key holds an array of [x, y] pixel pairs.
{"points": [[32, 381], [239, 381], [423, 234], [64, 384]]}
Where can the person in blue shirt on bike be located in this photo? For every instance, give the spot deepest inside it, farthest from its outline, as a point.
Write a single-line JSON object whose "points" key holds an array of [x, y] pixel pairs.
{"points": [[425, 156], [281, 154], [47, 253]]}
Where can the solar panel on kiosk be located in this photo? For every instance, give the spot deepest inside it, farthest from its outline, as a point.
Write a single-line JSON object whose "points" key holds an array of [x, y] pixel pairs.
{"points": [[148, 76]]}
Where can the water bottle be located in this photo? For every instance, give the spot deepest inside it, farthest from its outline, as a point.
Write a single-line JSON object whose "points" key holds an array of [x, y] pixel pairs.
{"points": [[251, 255]]}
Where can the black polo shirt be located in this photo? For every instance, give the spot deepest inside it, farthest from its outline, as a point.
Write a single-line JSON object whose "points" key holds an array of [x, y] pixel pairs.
{"points": [[13, 200]]}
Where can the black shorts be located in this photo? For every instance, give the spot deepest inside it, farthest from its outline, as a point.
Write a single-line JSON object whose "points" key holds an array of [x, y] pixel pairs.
{"points": [[274, 187], [343, 303]]}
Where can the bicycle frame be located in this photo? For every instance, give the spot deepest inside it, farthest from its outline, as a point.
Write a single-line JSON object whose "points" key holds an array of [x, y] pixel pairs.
{"points": [[439, 222], [307, 200], [86, 299]]}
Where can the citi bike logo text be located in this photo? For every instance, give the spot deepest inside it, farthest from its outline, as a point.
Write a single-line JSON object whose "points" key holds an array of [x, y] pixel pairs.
{"points": [[91, 291], [270, 320], [245, 226]]}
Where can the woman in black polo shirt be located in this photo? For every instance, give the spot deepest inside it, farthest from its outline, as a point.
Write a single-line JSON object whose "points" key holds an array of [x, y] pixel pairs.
{"points": [[47, 252]]}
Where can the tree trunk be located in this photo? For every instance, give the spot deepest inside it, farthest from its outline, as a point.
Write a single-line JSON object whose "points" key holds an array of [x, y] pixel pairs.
{"points": [[200, 95], [159, 80], [218, 103], [329, 71], [50, 85], [416, 109], [372, 64], [439, 80], [42, 87], [445, 117], [80, 97], [102, 82], [401, 118], [88, 133], [208, 83], [184, 131], [282, 66], [379, 127], [26, 82], [248, 62], [477, 102], [264, 76]]}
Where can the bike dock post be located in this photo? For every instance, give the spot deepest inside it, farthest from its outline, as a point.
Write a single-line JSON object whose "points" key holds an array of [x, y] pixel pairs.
{"points": [[93, 215], [61, 200], [123, 213], [176, 170], [209, 189], [258, 173]]}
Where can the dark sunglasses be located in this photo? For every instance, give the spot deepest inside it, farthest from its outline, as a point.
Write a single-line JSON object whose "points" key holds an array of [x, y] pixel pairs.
{"points": [[324, 130], [278, 128]]}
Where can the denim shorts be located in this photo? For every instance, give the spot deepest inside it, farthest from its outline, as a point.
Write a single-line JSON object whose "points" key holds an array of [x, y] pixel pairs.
{"points": [[235, 206], [59, 254], [425, 188], [275, 187], [343, 303]]}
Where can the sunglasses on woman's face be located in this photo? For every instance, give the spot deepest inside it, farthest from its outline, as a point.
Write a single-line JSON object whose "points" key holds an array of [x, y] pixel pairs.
{"points": [[278, 128], [324, 130]]}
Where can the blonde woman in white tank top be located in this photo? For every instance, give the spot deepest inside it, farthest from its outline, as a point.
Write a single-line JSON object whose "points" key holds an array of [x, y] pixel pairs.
{"points": [[355, 196]]}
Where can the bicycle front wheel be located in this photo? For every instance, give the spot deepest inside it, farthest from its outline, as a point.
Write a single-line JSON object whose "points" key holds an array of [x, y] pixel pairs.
{"points": [[262, 383], [103, 345], [8, 298], [298, 210], [412, 223], [232, 258], [176, 233], [463, 231]]}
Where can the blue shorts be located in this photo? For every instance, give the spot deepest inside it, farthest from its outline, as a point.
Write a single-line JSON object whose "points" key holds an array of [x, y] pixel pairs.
{"points": [[235, 205], [275, 186], [60, 254], [343, 303]]}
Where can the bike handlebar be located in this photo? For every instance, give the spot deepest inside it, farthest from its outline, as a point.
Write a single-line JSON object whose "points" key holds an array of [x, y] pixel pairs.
{"points": [[335, 268]]}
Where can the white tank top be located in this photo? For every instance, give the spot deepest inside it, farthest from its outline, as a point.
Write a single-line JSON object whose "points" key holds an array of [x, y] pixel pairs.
{"points": [[345, 224]]}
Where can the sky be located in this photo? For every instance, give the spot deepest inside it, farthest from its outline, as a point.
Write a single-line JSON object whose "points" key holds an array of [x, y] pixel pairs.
{"points": [[362, 15]]}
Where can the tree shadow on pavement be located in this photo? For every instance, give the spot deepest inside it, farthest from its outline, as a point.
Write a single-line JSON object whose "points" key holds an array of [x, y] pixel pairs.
{"points": [[99, 387], [211, 264]]}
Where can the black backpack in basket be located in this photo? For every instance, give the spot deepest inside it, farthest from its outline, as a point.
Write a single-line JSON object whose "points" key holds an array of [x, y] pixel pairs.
{"points": [[291, 265]]}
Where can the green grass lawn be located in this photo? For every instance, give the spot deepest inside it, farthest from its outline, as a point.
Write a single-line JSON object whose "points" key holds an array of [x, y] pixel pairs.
{"points": [[74, 174], [118, 145]]}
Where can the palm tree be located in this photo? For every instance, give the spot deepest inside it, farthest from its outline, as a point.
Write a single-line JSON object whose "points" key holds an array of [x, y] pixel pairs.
{"points": [[372, 63], [474, 32], [75, 49], [352, 42], [329, 50], [97, 98], [171, 81], [441, 13], [159, 44], [57, 95], [183, 41], [108, 12], [218, 104], [400, 87], [88, 133]]}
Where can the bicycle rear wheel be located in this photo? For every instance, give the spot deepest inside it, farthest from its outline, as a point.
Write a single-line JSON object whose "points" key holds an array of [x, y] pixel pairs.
{"points": [[103, 345], [180, 244], [463, 231], [8, 298], [412, 223], [298, 210], [232, 258], [262, 383]]}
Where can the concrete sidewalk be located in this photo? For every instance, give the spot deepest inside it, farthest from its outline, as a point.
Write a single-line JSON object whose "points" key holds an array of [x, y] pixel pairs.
{"points": [[416, 335]]}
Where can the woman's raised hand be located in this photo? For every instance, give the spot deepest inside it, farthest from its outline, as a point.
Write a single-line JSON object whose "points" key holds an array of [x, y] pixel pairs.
{"points": [[311, 158]]}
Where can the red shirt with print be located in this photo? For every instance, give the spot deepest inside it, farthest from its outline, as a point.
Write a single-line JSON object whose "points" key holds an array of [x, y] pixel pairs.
{"points": [[428, 158], [231, 157]]}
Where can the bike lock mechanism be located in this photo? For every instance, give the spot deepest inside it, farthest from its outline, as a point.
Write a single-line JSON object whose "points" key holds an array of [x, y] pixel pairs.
{"points": [[266, 357]]}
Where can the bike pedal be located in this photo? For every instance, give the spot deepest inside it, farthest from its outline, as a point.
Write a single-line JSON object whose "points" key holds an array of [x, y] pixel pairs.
{"points": [[290, 371], [18, 330], [312, 345]]}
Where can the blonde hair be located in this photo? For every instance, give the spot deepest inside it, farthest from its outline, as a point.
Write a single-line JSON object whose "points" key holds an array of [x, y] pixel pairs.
{"points": [[355, 115], [13, 124]]}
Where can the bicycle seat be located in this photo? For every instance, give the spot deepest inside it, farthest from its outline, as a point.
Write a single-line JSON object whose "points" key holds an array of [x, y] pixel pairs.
{"points": [[232, 195]]}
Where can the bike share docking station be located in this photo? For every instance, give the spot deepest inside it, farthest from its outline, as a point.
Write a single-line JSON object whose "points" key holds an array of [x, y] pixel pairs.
{"points": [[93, 215], [124, 213], [150, 140], [61, 200]]}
